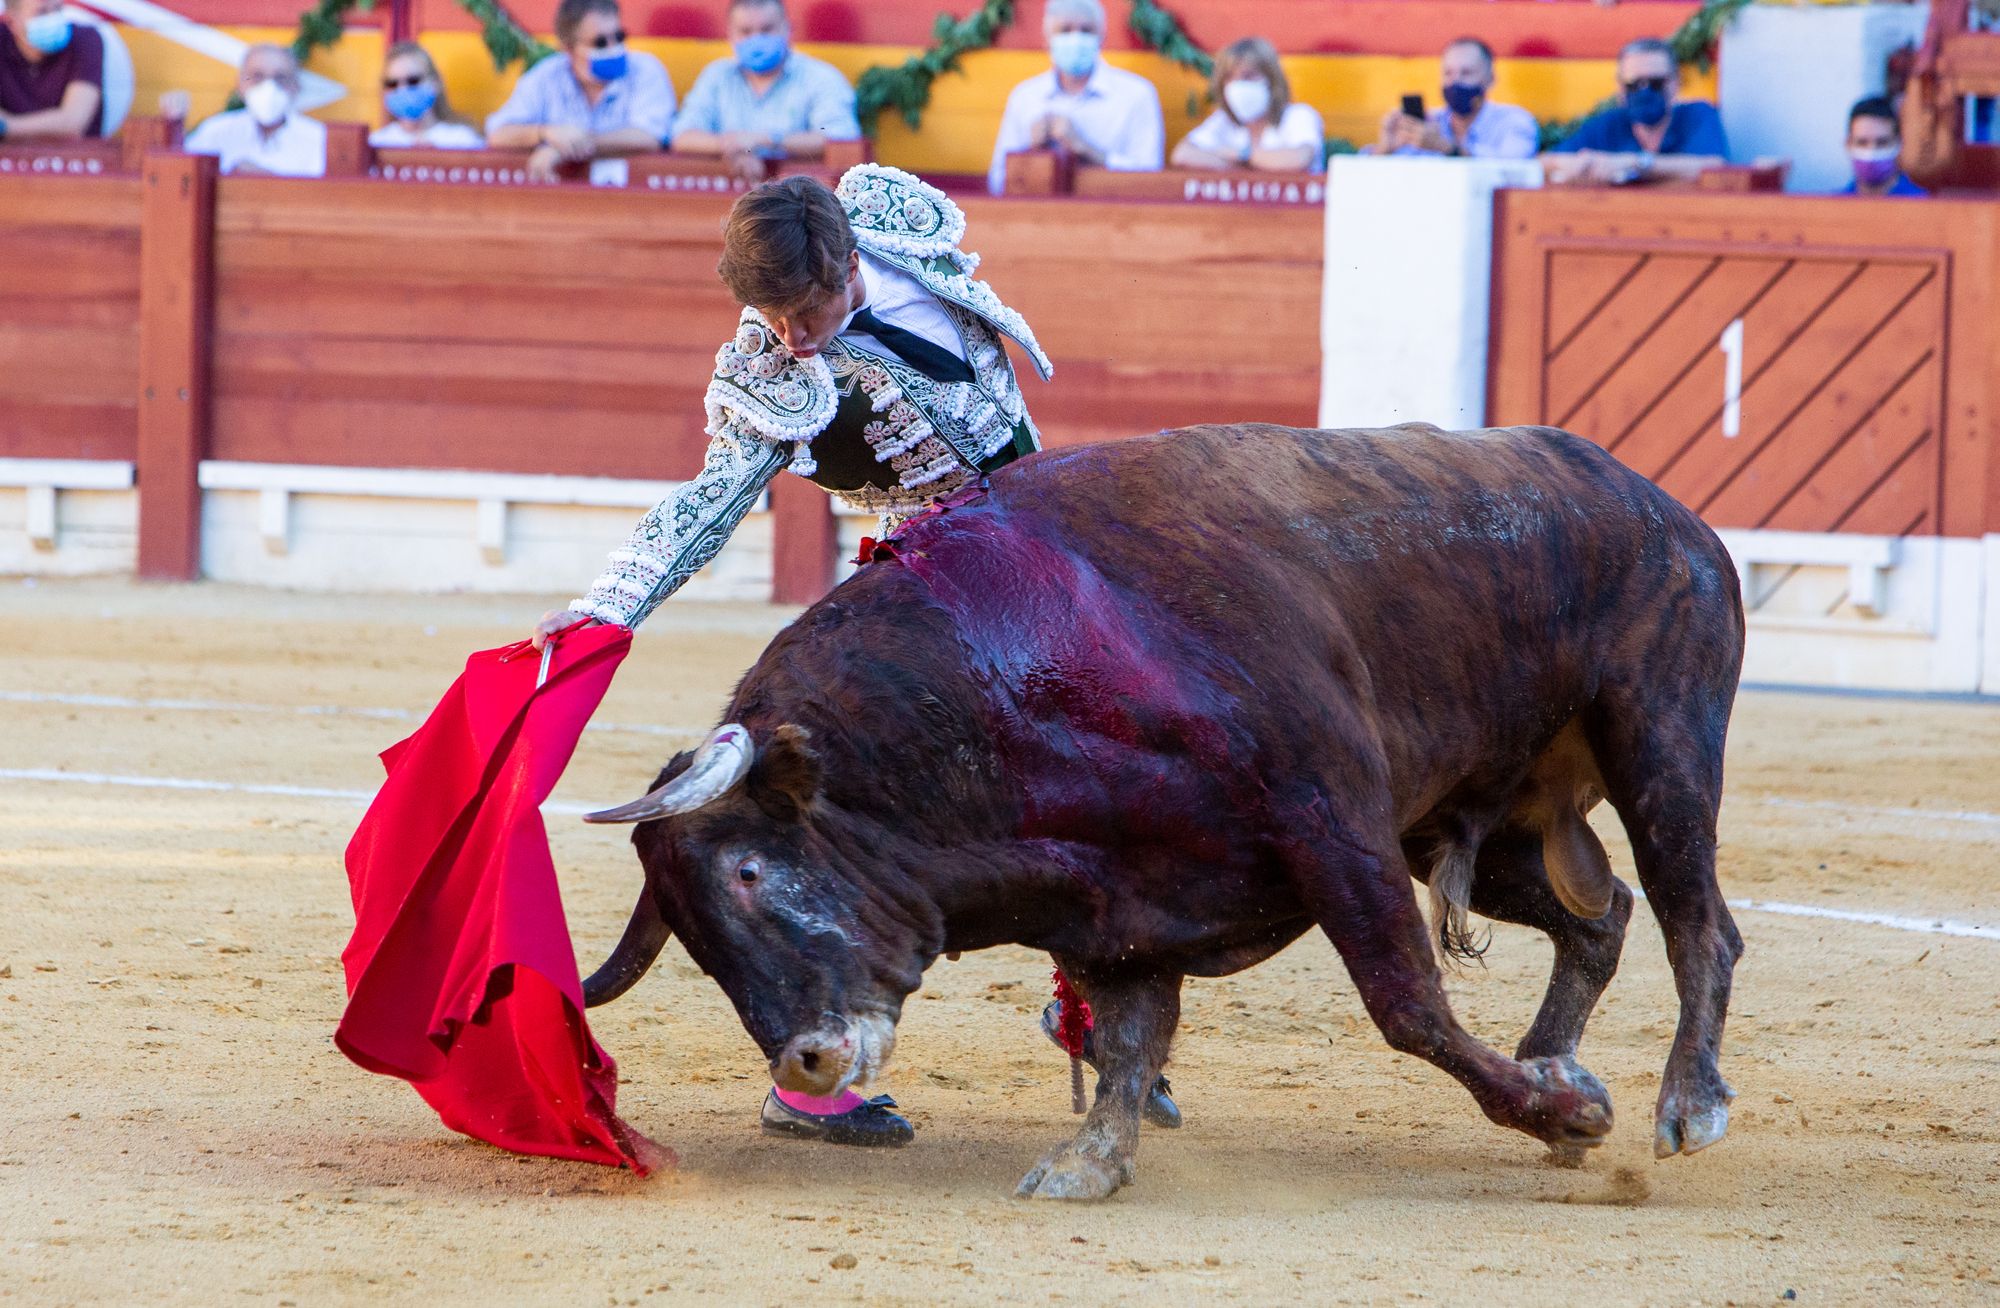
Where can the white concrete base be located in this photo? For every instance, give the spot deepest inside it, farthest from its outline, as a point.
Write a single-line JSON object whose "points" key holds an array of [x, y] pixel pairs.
{"points": [[1870, 612], [365, 529], [1407, 286], [67, 517], [1989, 666], [70, 533], [1790, 73]]}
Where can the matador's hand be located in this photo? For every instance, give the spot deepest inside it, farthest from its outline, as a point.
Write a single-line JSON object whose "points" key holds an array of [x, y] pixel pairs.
{"points": [[556, 620]]}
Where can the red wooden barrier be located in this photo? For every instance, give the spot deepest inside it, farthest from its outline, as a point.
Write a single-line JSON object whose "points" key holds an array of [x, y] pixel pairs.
{"points": [[69, 317], [559, 329]]}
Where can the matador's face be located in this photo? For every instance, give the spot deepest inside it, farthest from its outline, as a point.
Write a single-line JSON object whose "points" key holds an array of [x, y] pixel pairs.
{"points": [[808, 330]]}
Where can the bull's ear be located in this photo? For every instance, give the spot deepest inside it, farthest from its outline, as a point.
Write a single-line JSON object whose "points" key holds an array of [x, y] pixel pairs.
{"points": [[785, 779]]}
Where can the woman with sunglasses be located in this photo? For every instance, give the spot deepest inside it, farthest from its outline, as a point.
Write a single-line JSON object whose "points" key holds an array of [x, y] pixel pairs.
{"points": [[419, 113], [599, 102]]}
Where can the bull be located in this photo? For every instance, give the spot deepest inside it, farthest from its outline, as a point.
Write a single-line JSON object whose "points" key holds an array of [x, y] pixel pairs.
{"points": [[1157, 707]]}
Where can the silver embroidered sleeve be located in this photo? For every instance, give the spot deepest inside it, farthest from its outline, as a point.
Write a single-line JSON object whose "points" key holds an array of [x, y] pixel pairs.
{"points": [[683, 532]]}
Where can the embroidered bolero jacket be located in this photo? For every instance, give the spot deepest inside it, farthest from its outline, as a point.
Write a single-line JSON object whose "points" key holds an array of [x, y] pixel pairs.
{"points": [[864, 425]]}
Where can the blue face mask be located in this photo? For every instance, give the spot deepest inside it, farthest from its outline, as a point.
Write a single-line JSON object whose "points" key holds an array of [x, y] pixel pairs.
{"points": [[609, 66], [1460, 97], [762, 52], [1074, 53], [1646, 105], [48, 33], [411, 101]]}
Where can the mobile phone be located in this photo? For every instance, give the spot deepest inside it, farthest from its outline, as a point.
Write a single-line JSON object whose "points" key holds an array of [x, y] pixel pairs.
{"points": [[1413, 106]]}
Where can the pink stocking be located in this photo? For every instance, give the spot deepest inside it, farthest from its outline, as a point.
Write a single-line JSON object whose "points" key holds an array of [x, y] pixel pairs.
{"points": [[821, 1105]]}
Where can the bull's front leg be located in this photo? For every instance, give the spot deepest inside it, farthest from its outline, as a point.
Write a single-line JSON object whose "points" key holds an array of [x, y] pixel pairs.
{"points": [[1135, 1018]]}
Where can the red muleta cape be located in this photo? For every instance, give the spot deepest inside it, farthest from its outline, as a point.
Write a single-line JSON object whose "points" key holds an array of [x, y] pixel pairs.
{"points": [[461, 978]]}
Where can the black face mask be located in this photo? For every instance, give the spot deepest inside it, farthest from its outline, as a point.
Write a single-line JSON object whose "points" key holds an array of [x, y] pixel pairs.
{"points": [[1646, 102]]}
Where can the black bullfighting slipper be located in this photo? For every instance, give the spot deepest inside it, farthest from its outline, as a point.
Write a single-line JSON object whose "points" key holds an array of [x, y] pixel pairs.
{"points": [[1159, 1109], [869, 1123]]}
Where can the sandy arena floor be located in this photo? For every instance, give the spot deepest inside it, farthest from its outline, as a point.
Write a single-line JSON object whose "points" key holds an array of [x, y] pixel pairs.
{"points": [[179, 1128]]}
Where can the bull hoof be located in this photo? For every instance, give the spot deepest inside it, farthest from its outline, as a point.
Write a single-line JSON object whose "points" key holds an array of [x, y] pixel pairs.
{"points": [[1692, 1133], [1569, 1107], [1689, 1121], [1067, 1174]]}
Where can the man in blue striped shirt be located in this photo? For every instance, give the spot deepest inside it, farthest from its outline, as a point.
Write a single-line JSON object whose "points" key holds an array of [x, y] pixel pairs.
{"points": [[766, 102]]}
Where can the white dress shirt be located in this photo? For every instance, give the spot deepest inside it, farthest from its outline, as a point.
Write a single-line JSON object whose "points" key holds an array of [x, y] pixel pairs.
{"points": [[1298, 126], [440, 135], [1118, 115], [296, 149], [900, 300]]}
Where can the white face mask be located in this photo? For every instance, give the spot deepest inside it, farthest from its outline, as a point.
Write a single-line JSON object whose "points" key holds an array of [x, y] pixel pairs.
{"points": [[268, 103], [1248, 99]]}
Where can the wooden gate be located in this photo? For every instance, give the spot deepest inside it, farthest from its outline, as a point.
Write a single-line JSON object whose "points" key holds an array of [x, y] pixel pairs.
{"points": [[1812, 365]]}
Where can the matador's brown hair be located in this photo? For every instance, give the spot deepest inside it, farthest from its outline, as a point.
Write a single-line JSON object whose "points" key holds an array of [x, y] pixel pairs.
{"points": [[786, 246]]}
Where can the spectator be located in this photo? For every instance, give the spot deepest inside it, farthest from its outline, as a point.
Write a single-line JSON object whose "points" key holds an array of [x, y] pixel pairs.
{"points": [[1258, 125], [597, 101], [51, 75], [1875, 148], [419, 112], [1467, 124], [1648, 133], [769, 102], [1100, 114], [265, 136]]}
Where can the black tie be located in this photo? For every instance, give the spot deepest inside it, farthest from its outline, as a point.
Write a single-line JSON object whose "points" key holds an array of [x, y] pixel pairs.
{"points": [[927, 357]]}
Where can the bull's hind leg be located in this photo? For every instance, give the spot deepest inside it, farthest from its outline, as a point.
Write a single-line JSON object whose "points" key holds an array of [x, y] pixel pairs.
{"points": [[1359, 891], [1510, 885], [1662, 767], [1135, 1016]]}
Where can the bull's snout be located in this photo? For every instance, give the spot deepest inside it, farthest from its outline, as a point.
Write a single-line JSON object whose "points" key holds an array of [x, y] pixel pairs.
{"points": [[817, 1063], [844, 1052]]}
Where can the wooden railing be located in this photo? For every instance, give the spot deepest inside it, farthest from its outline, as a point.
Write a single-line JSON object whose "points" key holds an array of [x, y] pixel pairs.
{"points": [[1935, 150], [124, 153], [1055, 172], [663, 171]]}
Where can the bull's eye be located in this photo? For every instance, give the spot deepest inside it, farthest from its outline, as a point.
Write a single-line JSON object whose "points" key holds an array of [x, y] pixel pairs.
{"points": [[749, 870]]}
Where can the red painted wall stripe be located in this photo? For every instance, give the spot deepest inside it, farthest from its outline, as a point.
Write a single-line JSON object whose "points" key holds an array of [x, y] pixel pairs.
{"points": [[1547, 29]]}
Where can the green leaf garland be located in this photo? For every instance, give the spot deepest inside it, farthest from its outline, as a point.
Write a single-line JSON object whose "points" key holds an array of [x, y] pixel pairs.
{"points": [[506, 40], [1163, 32], [1695, 40], [907, 87]]}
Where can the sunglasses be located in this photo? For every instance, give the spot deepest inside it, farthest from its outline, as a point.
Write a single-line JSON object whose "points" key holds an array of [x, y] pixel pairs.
{"points": [[1649, 84], [391, 84], [608, 40]]}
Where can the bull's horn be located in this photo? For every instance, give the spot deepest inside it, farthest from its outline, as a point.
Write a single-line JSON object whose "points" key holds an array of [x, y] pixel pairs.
{"points": [[719, 767], [645, 935]]}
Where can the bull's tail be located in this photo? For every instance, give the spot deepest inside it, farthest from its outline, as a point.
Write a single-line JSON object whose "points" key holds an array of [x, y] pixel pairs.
{"points": [[1451, 902]]}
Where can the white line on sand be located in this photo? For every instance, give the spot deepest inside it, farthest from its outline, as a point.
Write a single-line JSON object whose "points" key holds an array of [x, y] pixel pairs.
{"points": [[1935, 926], [1926, 814], [72, 700]]}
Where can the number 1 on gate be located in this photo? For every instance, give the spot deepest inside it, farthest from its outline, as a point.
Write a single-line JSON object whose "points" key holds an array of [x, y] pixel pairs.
{"points": [[1731, 346]]}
